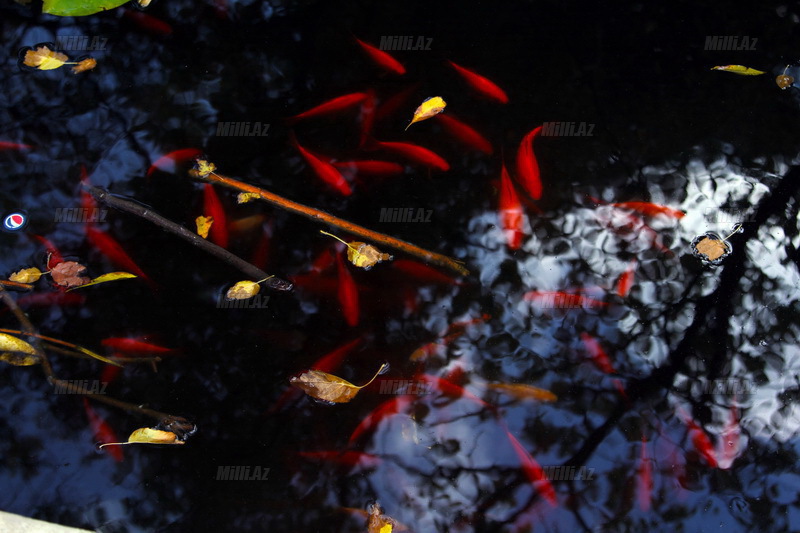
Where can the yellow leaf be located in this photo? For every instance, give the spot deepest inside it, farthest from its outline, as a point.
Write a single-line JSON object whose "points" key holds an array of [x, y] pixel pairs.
{"points": [[111, 276], [327, 387], [430, 107], [44, 59], [16, 351], [204, 168], [739, 69], [244, 197], [379, 522], [361, 254], [148, 436], [203, 225], [523, 392], [243, 290], [86, 64], [26, 275]]}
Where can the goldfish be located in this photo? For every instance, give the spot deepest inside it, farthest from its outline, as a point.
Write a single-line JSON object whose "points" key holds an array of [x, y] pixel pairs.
{"points": [[348, 293], [324, 170], [527, 166], [390, 407], [465, 134], [700, 440], [370, 166], [102, 431], [651, 210], [415, 153], [625, 280], [601, 360], [533, 471], [382, 59], [169, 162], [367, 116], [135, 346], [109, 247], [480, 84], [334, 105], [213, 207], [644, 477], [510, 211], [148, 23]]}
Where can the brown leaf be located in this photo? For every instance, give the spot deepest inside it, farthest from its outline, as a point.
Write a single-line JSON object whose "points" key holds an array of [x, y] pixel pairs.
{"points": [[86, 64], [361, 254], [712, 248], [26, 275], [327, 387], [44, 59], [68, 274]]}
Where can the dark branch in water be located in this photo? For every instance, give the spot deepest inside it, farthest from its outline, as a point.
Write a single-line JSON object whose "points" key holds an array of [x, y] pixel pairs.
{"points": [[148, 214]]}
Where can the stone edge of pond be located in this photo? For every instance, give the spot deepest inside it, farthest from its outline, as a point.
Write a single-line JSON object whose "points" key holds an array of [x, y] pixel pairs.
{"points": [[23, 524]]}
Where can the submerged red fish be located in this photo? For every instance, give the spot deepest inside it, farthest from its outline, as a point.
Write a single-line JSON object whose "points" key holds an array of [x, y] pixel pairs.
{"points": [[334, 105], [510, 211], [416, 154], [527, 166], [644, 478], [382, 59], [348, 293], [169, 162], [481, 84], [102, 431], [212, 206], [324, 170], [109, 247], [135, 346], [464, 133]]}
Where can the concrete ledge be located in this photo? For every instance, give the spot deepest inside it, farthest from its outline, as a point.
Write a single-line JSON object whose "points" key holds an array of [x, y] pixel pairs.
{"points": [[22, 524]]}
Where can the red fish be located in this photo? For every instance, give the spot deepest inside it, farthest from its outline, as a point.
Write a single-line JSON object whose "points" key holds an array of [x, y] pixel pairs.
{"points": [[651, 210], [55, 256], [348, 293], [324, 170], [395, 102], [625, 280], [6, 145], [644, 478], [423, 272], [415, 153], [482, 85], [562, 300], [348, 458], [510, 211], [426, 351], [465, 134], [212, 206], [169, 162], [109, 247], [370, 166], [388, 408], [729, 440], [135, 346], [700, 440], [260, 255], [148, 23], [636, 225], [382, 59], [533, 471], [334, 105], [103, 433], [88, 202], [601, 360], [110, 373], [447, 388], [527, 166], [47, 299], [367, 116]]}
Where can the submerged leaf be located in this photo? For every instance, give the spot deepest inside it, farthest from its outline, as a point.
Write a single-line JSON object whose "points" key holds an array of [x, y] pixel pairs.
{"points": [[44, 59], [203, 225], [430, 107], [26, 275], [739, 69], [327, 387], [111, 276], [16, 351]]}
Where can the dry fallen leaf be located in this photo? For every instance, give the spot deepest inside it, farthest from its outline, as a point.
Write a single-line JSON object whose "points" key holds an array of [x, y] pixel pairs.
{"points": [[712, 248], [16, 351], [244, 197], [203, 168], [327, 387], [243, 290], [739, 69], [203, 225], [523, 392], [26, 275], [148, 436], [111, 276], [430, 107], [379, 522], [361, 254], [68, 274], [86, 64], [44, 59]]}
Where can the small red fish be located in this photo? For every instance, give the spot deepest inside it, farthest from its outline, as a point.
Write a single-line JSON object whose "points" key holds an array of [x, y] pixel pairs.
{"points": [[415, 153], [348, 293], [625, 280], [367, 116], [135, 346], [527, 166], [651, 210], [562, 300], [390, 407], [510, 211], [109, 247], [382, 59], [6, 145], [88, 202], [700, 440], [334, 105], [260, 255], [48, 299], [533, 471], [103, 433], [348, 458], [434, 348], [482, 85], [148, 23], [729, 440], [324, 170], [110, 374], [392, 104], [169, 162], [370, 166], [447, 388], [212, 206], [599, 356], [55, 255], [423, 272], [644, 478], [464, 133]]}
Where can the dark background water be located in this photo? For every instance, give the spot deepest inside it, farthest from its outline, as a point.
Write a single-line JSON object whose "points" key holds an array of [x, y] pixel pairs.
{"points": [[667, 130]]}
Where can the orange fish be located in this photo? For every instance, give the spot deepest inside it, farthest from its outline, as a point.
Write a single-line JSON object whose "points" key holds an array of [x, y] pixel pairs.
{"points": [[601, 360], [651, 210], [212, 207], [367, 116], [324, 170], [729, 440], [334, 105], [644, 478], [260, 255], [510, 211], [135, 346], [533, 471], [527, 166], [480, 84], [464, 133], [103, 433], [370, 166], [625, 280], [109, 247], [169, 162], [348, 293], [110, 373], [382, 59], [415, 153]]}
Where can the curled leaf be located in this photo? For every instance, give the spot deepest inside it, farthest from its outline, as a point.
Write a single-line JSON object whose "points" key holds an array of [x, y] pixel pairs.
{"points": [[327, 387], [379, 522], [111, 276], [203, 168], [68, 274], [203, 225], [26, 275], [430, 107], [739, 69], [244, 197], [44, 59], [16, 351], [86, 64], [361, 254]]}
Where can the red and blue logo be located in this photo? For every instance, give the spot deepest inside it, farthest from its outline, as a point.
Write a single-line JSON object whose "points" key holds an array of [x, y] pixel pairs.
{"points": [[15, 221]]}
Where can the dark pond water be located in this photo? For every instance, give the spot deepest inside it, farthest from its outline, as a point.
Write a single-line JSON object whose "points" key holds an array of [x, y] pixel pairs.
{"points": [[705, 359]]}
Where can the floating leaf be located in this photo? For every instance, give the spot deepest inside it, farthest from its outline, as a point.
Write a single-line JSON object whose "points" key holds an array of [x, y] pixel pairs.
{"points": [[523, 392], [361, 254], [204, 168], [244, 197], [16, 351], [784, 81], [68, 274], [379, 522], [78, 8], [26, 275], [739, 69], [86, 64], [243, 290], [430, 107], [44, 59], [111, 276], [148, 436], [327, 387], [712, 248], [203, 225]]}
